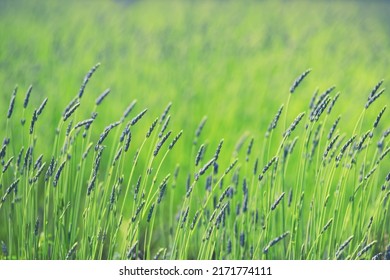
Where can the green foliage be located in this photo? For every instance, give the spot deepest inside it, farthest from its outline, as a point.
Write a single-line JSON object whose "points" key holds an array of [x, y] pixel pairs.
{"points": [[99, 181]]}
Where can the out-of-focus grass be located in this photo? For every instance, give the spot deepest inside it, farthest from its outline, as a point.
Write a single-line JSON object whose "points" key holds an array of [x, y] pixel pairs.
{"points": [[230, 61]]}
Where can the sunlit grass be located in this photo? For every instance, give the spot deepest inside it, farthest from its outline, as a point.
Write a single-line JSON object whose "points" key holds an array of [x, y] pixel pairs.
{"points": [[231, 62]]}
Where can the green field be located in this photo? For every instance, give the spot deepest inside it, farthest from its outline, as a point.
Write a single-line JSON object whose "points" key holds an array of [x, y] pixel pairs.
{"points": [[231, 63]]}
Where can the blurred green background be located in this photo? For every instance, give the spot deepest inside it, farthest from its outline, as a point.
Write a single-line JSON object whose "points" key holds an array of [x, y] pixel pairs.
{"points": [[233, 61]]}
